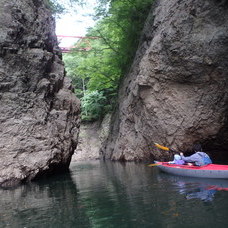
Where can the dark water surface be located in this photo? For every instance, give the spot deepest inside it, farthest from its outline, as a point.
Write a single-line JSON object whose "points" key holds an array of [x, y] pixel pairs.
{"points": [[105, 195]]}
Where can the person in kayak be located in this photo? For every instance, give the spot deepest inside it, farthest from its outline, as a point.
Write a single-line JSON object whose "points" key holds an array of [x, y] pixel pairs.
{"points": [[199, 158], [177, 160]]}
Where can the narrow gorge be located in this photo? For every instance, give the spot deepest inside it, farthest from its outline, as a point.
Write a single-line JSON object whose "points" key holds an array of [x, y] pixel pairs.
{"points": [[175, 94]]}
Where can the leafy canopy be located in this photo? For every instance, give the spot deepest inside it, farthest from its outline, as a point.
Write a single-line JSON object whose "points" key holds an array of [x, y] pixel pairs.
{"points": [[59, 7], [97, 64]]}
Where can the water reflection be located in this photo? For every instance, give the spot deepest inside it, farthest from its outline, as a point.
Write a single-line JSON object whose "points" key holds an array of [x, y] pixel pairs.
{"points": [[116, 194], [51, 202], [135, 195], [111, 194], [195, 188]]}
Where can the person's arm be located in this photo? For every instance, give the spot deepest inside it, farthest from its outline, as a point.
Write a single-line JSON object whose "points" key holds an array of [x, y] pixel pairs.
{"points": [[191, 158], [171, 162]]}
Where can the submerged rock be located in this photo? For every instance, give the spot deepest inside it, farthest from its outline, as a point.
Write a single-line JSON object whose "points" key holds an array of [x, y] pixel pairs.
{"points": [[176, 93], [39, 119]]}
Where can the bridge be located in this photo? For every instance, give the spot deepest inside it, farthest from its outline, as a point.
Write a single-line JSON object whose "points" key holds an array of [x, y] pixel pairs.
{"points": [[68, 49]]}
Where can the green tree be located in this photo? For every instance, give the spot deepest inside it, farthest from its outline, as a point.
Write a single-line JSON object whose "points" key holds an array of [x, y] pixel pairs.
{"points": [[59, 7], [98, 64], [93, 105]]}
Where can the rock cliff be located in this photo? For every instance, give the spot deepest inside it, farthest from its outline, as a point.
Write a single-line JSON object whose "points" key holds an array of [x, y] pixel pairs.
{"points": [[90, 139], [176, 93], [39, 120]]}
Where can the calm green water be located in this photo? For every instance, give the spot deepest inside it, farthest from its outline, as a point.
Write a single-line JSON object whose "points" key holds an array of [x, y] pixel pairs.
{"points": [[106, 195]]}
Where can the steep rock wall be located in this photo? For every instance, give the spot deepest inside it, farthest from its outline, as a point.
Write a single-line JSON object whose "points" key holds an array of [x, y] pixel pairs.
{"points": [[176, 92], [39, 120], [90, 139]]}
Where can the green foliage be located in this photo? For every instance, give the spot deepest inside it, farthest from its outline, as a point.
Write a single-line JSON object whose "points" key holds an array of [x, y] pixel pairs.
{"points": [[59, 7], [93, 105], [96, 65], [55, 7], [126, 20]]}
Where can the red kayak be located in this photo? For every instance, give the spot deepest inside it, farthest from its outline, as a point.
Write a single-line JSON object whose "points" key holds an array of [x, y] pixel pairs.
{"points": [[207, 171]]}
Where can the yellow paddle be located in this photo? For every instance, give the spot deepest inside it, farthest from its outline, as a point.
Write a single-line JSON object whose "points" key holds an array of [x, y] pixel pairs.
{"points": [[165, 148], [161, 147], [155, 164]]}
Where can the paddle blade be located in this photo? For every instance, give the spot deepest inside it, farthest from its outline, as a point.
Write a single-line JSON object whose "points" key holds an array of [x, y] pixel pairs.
{"points": [[161, 147], [155, 164]]}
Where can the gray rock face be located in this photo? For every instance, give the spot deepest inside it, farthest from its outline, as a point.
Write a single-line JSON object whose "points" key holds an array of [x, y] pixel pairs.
{"points": [[176, 93], [90, 139], [39, 120]]}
